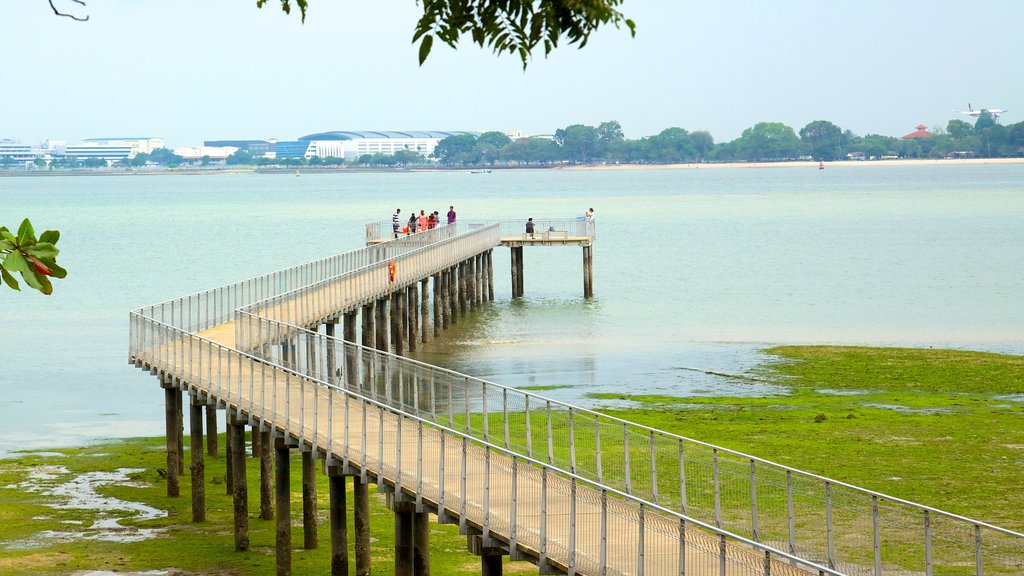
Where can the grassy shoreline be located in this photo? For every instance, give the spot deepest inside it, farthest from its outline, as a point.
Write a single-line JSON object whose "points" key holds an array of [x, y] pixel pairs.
{"points": [[939, 427]]}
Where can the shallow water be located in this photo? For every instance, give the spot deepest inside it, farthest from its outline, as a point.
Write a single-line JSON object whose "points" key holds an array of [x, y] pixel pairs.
{"points": [[695, 272]]}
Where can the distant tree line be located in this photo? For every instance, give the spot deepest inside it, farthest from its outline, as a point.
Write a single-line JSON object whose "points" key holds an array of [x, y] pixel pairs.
{"points": [[762, 142]]}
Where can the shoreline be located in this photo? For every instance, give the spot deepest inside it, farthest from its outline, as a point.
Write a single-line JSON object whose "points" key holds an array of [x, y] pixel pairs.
{"points": [[806, 164]]}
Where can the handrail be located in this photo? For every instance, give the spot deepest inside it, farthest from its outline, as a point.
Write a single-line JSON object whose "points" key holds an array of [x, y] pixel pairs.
{"points": [[744, 494], [190, 377]]}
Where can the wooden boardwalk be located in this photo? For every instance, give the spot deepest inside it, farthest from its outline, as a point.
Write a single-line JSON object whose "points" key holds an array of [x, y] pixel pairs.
{"points": [[256, 349]]}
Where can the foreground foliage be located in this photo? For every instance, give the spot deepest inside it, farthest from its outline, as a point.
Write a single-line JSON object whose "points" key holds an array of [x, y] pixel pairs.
{"points": [[35, 259]]}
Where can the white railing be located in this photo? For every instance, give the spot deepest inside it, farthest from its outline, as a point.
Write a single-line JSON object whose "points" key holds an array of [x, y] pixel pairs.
{"points": [[745, 499], [579, 228]]}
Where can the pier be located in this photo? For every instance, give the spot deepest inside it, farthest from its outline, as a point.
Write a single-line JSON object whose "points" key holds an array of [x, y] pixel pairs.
{"points": [[570, 490]]}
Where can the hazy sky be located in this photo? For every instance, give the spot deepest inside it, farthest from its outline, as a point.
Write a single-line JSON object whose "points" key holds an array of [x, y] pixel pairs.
{"points": [[189, 70]]}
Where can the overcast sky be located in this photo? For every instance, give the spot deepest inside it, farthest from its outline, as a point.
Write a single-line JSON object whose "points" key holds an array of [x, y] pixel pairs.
{"points": [[194, 70]]}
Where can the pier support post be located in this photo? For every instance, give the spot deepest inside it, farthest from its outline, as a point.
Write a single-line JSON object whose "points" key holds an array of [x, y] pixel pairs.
{"points": [[366, 334], [471, 282], [516, 252], [266, 475], [180, 419], [331, 359], [171, 430], [438, 316], [453, 295], [382, 325], [588, 267], [309, 536], [195, 424], [361, 495], [403, 538], [339, 526], [421, 544], [254, 433], [413, 299], [236, 428], [463, 286], [490, 556], [424, 309], [521, 266], [478, 277], [282, 496], [229, 464], [396, 322], [491, 275], [348, 332], [211, 429]]}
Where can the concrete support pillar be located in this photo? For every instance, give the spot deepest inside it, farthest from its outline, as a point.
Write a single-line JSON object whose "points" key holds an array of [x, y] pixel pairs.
{"points": [[490, 555], [515, 271], [339, 526], [309, 535], [421, 544], [195, 424], [282, 494], [490, 275], [366, 333], [403, 538], [211, 429], [381, 340], [361, 496], [171, 430], [254, 434], [413, 315], [490, 565], [463, 287], [438, 321], [180, 419], [229, 464], [588, 267], [471, 283], [236, 429], [331, 359], [478, 276], [348, 332], [424, 309], [451, 296], [397, 314], [266, 475]]}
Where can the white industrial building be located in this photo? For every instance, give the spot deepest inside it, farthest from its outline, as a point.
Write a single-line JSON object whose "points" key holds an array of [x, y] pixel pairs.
{"points": [[350, 145], [137, 145]]}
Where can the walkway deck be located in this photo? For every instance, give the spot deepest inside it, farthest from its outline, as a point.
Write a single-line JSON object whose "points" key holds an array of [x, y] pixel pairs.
{"points": [[569, 489]]}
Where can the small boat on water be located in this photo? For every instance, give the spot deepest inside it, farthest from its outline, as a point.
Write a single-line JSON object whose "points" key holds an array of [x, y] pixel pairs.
{"points": [[479, 171]]}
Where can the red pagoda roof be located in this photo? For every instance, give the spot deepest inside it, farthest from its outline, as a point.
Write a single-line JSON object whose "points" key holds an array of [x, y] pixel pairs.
{"points": [[921, 132]]}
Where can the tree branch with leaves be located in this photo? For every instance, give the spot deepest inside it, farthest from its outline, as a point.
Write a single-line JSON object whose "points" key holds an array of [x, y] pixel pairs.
{"points": [[514, 26], [36, 260]]}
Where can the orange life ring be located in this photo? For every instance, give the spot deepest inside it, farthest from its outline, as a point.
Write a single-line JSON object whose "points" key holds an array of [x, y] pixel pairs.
{"points": [[392, 269]]}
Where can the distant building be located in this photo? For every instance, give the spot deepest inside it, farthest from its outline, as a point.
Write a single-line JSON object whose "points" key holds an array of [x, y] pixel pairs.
{"points": [[20, 153], [212, 154], [137, 145], [921, 132], [291, 149], [110, 153], [353, 144], [254, 147]]}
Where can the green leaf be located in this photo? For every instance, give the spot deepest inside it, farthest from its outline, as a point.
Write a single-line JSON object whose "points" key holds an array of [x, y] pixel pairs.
{"points": [[9, 279], [428, 42], [42, 250], [15, 262], [6, 235], [33, 280], [50, 263], [50, 236], [25, 232]]}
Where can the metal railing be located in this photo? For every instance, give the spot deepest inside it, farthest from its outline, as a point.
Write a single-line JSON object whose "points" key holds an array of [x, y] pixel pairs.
{"points": [[843, 528], [552, 228], [355, 415]]}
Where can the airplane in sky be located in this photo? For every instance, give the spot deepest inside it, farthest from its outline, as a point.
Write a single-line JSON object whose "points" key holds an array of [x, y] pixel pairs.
{"points": [[995, 112]]}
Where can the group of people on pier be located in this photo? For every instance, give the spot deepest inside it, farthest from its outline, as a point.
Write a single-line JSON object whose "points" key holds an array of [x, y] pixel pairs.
{"points": [[420, 223]]}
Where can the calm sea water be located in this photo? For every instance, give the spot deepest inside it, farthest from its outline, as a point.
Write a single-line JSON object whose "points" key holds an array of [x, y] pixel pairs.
{"points": [[695, 271]]}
